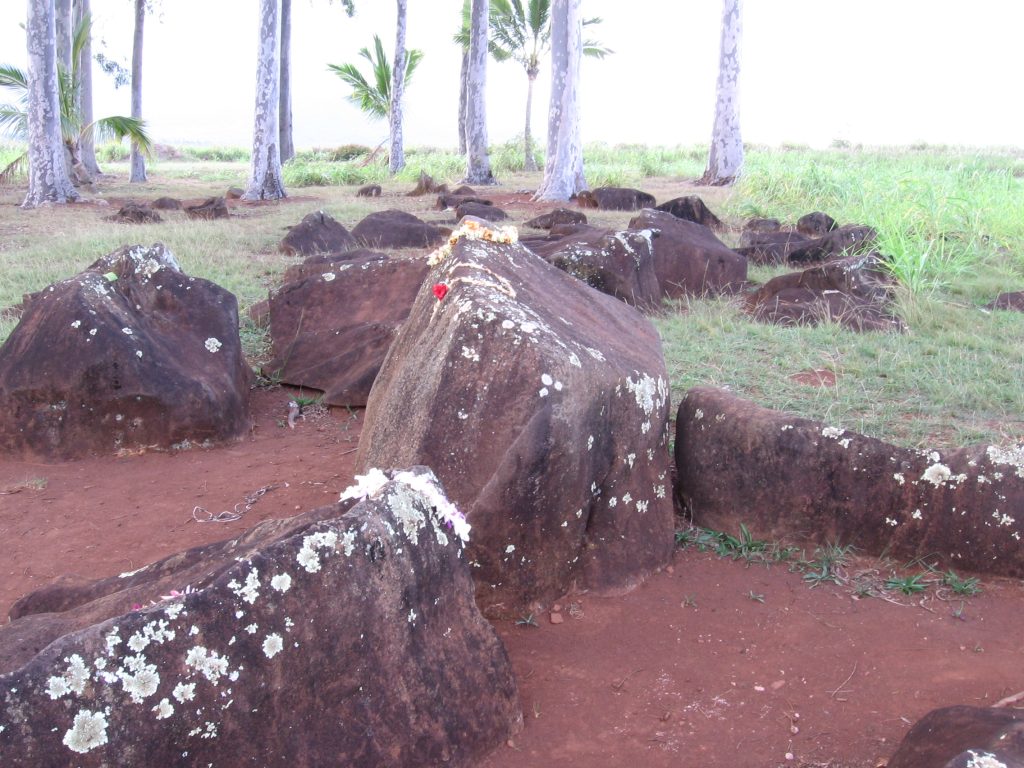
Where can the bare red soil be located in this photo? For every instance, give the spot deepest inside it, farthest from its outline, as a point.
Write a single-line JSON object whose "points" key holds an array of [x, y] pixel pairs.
{"points": [[690, 669]]}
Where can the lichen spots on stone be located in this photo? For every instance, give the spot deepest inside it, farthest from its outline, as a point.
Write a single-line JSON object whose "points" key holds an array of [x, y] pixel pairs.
{"points": [[272, 645], [88, 731]]}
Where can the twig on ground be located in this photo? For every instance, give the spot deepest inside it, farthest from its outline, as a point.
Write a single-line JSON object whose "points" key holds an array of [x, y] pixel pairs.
{"points": [[848, 679]]}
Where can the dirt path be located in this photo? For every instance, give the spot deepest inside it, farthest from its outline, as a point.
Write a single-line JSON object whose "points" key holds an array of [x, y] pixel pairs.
{"points": [[690, 669]]}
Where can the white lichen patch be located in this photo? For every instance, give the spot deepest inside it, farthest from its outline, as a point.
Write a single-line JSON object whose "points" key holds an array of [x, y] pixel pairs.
{"points": [[328, 276], [249, 591], [74, 679], [698, 414], [471, 354], [630, 459], [1002, 518], [650, 393], [366, 486], [833, 432], [641, 506], [282, 582], [984, 760], [163, 710], [626, 498], [348, 542], [898, 477], [209, 664], [891, 522], [1012, 456], [88, 731], [272, 645], [543, 392], [590, 443], [937, 474], [140, 683], [659, 491], [127, 331], [212, 344], [76, 324], [510, 549], [308, 559], [917, 514]]}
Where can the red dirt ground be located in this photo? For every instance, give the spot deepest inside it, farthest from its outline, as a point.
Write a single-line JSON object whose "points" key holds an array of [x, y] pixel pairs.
{"points": [[688, 670]]}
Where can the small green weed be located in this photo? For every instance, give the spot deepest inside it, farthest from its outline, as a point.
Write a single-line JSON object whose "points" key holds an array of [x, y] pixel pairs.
{"points": [[755, 596], [526, 621], [908, 585], [968, 587]]}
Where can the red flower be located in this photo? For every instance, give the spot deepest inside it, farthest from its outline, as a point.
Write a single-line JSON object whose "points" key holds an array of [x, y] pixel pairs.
{"points": [[440, 291]]}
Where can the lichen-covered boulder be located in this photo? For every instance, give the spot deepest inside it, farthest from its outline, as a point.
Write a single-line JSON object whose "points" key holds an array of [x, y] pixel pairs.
{"points": [[129, 354], [542, 405], [691, 208], [317, 233], [688, 258], [964, 737], [397, 229], [166, 204], [855, 292], [486, 212], [615, 199], [369, 190], [620, 264], [454, 199], [794, 478], [332, 323], [346, 636]]}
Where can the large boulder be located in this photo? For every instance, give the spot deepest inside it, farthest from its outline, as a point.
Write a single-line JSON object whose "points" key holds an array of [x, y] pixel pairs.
{"points": [[345, 636], [1010, 300], [816, 224], [555, 218], [332, 324], [397, 229], [845, 241], [543, 406], [691, 208], [766, 247], [487, 212], [964, 737], [854, 292], [317, 233], [786, 477], [688, 258], [129, 354], [209, 209], [620, 264], [615, 199]]}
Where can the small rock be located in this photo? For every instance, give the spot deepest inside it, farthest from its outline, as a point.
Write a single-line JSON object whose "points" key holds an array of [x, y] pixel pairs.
{"points": [[557, 618], [669, 569]]}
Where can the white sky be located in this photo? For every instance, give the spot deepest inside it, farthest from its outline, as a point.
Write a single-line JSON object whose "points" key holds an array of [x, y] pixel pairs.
{"points": [[873, 71]]}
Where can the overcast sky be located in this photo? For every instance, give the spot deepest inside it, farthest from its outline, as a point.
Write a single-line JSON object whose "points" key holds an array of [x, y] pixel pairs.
{"points": [[873, 71]]}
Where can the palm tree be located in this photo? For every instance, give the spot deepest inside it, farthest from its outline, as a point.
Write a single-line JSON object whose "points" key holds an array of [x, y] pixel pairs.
{"points": [[374, 98], [523, 33], [14, 117]]}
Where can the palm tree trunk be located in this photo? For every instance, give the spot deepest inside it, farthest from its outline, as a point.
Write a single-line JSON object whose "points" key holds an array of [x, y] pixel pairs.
{"points": [[86, 148], [265, 181], [62, 21], [529, 161], [463, 88], [396, 161], [563, 168], [138, 162], [47, 174], [725, 158], [478, 164], [285, 118]]}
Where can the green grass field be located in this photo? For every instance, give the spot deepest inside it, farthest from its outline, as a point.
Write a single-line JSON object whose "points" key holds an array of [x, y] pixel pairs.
{"points": [[952, 220]]}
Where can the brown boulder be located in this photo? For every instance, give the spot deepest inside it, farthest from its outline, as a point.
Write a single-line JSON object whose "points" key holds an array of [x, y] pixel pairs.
{"points": [[762, 225], [487, 212], [453, 201], [332, 325], [345, 636], [854, 292], [615, 199], [316, 233], [166, 204], [555, 218], [964, 737], [128, 354], [234, 193], [790, 478], [768, 248], [620, 264], [815, 224], [691, 208], [135, 213], [542, 405], [1011, 301], [845, 241], [426, 185], [212, 208], [369, 190], [688, 258], [397, 229], [464, 189]]}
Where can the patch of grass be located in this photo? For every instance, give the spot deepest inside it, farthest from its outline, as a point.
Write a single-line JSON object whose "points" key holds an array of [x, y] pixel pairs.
{"points": [[529, 620], [908, 585], [968, 587], [742, 547]]}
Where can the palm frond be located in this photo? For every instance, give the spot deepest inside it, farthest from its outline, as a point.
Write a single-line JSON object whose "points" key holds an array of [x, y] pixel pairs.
{"points": [[13, 122], [375, 98], [595, 50], [14, 169], [14, 78], [119, 127]]}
